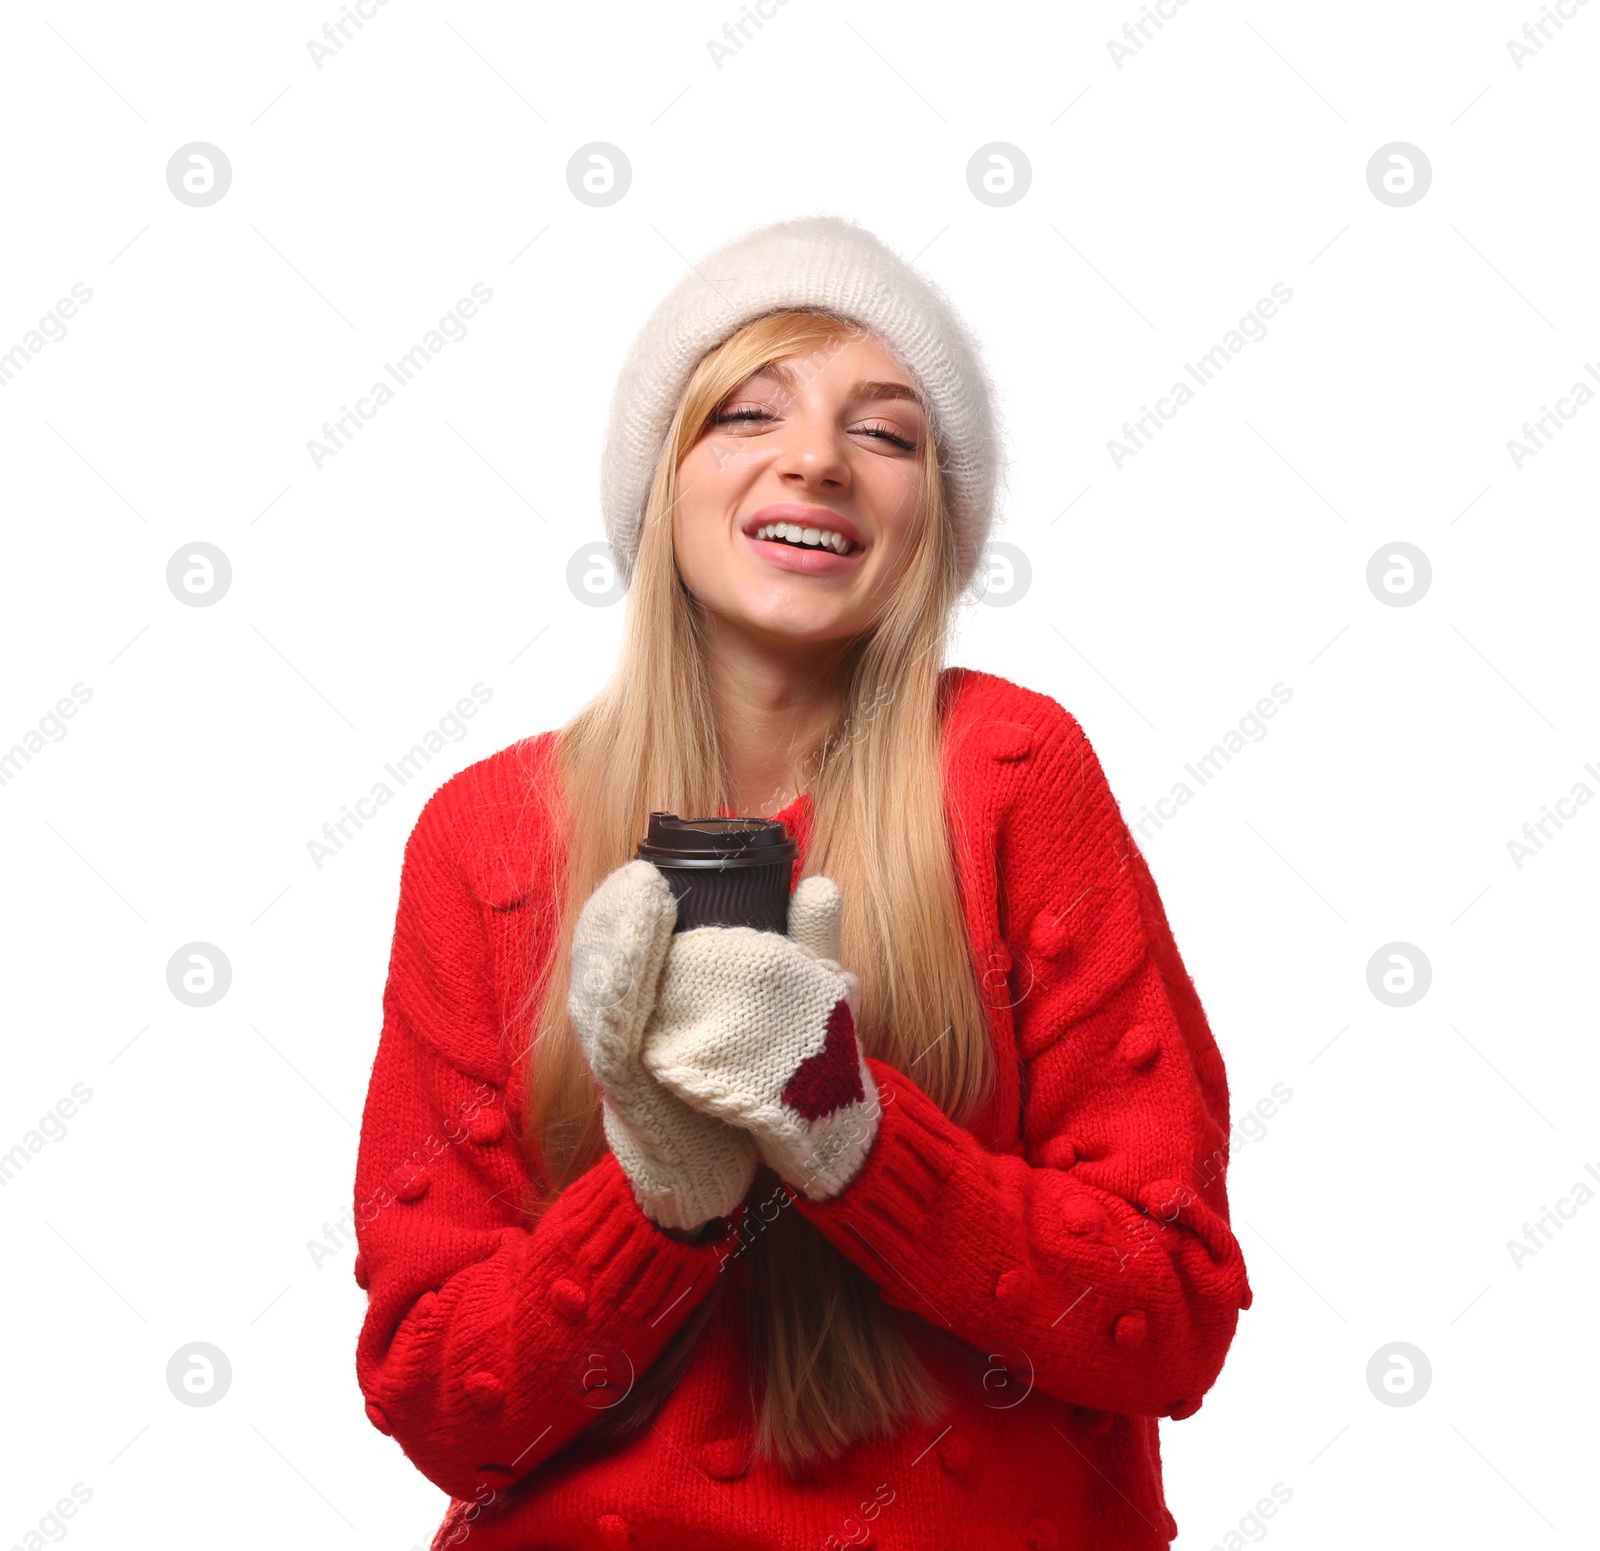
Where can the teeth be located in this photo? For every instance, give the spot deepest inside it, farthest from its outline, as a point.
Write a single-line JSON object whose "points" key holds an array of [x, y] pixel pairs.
{"points": [[814, 538]]}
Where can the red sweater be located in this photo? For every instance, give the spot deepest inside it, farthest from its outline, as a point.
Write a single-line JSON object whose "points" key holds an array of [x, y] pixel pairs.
{"points": [[1074, 1240]]}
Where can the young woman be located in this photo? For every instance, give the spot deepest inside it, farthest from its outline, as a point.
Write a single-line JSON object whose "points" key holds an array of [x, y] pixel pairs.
{"points": [[902, 1229]]}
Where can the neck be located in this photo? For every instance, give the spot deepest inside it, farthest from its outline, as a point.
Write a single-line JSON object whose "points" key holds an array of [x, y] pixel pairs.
{"points": [[774, 701]]}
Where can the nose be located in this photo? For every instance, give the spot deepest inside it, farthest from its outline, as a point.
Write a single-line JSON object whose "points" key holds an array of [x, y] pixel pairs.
{"points": [[812, 453]]}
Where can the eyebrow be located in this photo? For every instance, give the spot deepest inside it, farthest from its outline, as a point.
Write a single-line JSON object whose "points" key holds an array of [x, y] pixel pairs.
{"points": [[859, 390]]}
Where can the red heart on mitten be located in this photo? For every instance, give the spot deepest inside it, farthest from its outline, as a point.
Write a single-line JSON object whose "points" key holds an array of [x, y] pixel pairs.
{"points": [[831, 1079]]}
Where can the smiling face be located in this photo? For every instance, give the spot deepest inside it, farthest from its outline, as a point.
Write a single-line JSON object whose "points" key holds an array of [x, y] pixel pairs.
{"points": [[800, 504]]}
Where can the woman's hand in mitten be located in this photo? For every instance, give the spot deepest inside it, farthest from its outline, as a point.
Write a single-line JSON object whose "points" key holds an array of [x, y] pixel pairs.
{"points": [[685, 1166], [759, 1029]]}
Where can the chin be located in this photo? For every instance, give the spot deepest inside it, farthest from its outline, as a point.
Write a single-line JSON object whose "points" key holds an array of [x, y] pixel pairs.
{"points": [[799, 630]]}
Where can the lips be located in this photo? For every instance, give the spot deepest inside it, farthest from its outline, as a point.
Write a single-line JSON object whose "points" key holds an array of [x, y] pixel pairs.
{"points": [[805, 517], [790, 557]]}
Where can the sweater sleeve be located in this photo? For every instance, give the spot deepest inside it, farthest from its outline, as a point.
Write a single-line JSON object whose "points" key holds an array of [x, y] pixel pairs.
{"points": [[488, 1342], [1099, 1265]]}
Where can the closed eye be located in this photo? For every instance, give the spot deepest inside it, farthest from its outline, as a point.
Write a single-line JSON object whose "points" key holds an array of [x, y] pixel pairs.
{"points": [[884, 432], [890, 435]]}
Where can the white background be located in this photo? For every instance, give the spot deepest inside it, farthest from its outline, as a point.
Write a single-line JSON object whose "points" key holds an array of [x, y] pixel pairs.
{"points": [[1167, 597]]}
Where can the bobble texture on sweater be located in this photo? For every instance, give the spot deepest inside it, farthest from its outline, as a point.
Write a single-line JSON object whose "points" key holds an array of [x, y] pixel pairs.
{"points": [[1065, 1262]]}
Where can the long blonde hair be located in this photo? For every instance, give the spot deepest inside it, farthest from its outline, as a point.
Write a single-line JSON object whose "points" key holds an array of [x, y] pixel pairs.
{"points": [[831, 1360]]}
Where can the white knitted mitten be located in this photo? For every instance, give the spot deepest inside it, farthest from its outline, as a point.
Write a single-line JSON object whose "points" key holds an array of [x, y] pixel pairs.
{"points": [[685, 1166], [759, 1029]]}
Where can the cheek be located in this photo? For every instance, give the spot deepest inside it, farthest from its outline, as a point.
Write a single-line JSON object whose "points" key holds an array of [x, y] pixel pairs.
{"points": [[699, 518], [716, 464], [896, 491], [698, 484], [691, 546]]}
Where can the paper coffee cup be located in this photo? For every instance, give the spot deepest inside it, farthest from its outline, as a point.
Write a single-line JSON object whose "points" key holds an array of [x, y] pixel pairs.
{"points": [[724, 872]]}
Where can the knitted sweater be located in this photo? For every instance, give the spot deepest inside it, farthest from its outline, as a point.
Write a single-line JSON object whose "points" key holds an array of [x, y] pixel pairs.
{"points": [[1071, 1246]]}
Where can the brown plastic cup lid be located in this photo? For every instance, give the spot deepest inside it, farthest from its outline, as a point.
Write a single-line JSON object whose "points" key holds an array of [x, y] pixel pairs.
{"points": [[716, 843]]}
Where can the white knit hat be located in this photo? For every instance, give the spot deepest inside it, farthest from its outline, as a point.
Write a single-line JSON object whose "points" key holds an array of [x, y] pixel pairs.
{"points": [[816, 261]]}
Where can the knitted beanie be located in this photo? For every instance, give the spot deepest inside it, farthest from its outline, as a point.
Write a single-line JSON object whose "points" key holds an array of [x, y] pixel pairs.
{"points": [[816, 261]]}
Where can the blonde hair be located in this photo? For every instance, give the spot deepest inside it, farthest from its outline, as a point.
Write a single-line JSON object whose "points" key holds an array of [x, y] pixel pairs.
{"points": [[831, 1360]]}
